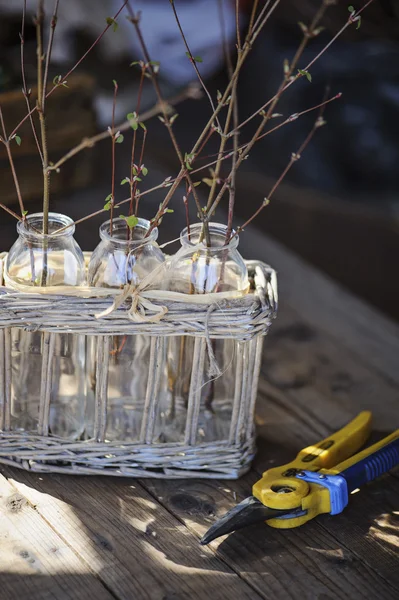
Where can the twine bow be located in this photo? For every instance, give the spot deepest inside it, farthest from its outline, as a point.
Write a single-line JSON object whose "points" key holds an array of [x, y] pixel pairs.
{"points": [[140, 304]]}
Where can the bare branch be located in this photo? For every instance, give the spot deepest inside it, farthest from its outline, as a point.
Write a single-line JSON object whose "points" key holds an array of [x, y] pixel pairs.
{"points": [[65, 77], [25, 90], [113, 144], [295, 156], [193, 60], [53, 24], [6, 142], [104, 135], [11, 212], [184, 167]]}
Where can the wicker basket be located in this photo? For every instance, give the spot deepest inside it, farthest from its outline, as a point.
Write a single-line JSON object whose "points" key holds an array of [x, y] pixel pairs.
{"points": [[245, 320]]}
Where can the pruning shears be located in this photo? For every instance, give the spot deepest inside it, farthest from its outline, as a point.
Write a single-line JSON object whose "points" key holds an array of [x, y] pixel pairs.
{"points": [[318, 481]]}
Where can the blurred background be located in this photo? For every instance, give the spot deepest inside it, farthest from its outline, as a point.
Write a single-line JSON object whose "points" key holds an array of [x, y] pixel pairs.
{"points": [[338, 208]]}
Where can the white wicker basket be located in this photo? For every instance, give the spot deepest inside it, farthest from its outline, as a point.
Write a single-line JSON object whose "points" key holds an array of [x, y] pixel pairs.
{"points": [[245, 319]]}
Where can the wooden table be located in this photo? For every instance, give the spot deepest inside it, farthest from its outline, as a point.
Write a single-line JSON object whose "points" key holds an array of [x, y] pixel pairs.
{"points": [[328, 357]]}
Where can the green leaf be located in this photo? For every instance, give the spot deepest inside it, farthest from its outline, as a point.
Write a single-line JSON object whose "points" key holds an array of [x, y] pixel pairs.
{"points": [[142, 126], [134, 63], [18, 140], [169, 210], [195, 58], [286, 65], [131, 221], [133, 120], [359, 22], [351, 8], [303, 27], [155, 63], [24, 213], [306, 74], [126, 180], [115, 83], [119, 139], [111, 21], [144, 171], [108, 202], [57, 79]]}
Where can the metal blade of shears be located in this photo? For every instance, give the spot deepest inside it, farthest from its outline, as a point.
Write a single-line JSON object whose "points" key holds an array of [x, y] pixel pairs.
{"points": [[249, 511]]}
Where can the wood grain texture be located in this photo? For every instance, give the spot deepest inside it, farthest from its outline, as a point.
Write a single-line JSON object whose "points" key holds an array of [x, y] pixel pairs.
{"points": [[328, 357], [329, 307], [310, 386], [135, 546], [35, 562]]}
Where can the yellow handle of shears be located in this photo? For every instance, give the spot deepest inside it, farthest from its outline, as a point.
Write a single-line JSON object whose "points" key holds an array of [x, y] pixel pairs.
{"points": [[323, 455]]}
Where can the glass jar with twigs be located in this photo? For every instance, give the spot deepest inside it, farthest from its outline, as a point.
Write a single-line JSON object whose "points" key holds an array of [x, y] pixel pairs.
{"points": [[58, 255], [214, 274], [126, 255]]}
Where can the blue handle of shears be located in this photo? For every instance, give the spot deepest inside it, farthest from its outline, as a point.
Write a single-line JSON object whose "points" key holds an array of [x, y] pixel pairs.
{"points": [[372, 466]]}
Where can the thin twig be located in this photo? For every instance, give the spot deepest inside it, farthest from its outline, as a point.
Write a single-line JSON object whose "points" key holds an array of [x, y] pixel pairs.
{"points": [[193, 61], [294, 78], [139, 171], [133, 183], [238, 24], [203, 136], [261, 22], [11, 212], [295, 156], [6, 142], [271, 105], [64, 78], [252, 19], [173, 183], [187, 211], [184, 170], [25, 90], [234, 101], [53, 24], [41, 92], [188, 93], [113, 144]]}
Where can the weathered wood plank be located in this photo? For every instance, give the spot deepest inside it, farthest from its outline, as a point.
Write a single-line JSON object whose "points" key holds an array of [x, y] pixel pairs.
{"points": [[298, 563], [322, 385], [305, 363], [329, 307], [35, 562], [136, 547], [310, 386]]}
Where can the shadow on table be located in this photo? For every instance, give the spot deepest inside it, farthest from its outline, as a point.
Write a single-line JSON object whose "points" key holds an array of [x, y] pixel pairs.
{"points": [[51, 587], [133, 543], [125, 537]]}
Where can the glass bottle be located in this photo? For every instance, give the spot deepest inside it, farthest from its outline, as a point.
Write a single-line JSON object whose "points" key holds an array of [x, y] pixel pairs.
{"points": [[123, 257], [199, 269], [54, 259]]}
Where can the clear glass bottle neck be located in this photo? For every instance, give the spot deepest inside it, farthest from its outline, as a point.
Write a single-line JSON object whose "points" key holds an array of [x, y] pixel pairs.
{"points": [[60, 227], [124, 238], [218, 237]]}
